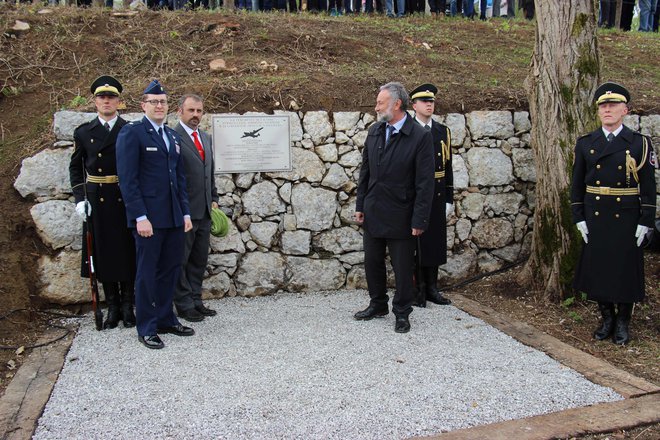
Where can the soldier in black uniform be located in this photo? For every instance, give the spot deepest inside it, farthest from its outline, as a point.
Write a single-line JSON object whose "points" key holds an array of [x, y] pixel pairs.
{"points": [[93, 174], [433, 243], [613, 203]]}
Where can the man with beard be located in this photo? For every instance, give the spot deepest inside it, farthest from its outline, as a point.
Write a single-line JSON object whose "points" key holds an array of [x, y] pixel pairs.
{"points": [[93, 176], [198, 163], [153, 184], [433, 244], [613, 203], [394, 195]]}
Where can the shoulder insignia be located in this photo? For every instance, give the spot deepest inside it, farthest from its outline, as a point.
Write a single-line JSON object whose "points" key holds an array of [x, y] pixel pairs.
{"points": [[653, 159]]}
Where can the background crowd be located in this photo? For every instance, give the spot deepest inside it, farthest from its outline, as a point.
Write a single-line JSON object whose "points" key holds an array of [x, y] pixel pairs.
{"points": [[611, 13]]}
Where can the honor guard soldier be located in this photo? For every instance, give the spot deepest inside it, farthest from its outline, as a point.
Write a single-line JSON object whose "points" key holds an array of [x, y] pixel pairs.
{"points": [[93, 175], [153, 184], [433, 243], [613, 204]]}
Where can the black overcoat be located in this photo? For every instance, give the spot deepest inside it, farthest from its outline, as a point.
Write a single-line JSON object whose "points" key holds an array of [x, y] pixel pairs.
{"points": [[114, 248], [434, 241], [395, 187], [611, 266]]}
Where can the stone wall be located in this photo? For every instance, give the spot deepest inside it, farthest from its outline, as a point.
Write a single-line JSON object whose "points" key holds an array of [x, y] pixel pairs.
{"points": [[294, 230]]}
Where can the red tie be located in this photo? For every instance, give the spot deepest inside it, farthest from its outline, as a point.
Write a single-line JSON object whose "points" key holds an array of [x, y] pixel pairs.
{"points": [[198, 144]]}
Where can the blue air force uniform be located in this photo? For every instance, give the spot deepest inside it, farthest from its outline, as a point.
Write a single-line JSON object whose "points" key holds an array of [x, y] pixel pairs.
{"points": [[153, 184]]}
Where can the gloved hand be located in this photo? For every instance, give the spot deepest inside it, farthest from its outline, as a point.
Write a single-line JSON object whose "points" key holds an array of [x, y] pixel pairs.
{"points": [[640, 233], [449, 210], [83, 206], [582, 227]]}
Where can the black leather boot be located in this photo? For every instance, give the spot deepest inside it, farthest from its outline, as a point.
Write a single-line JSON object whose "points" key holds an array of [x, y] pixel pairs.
{"points": [[623, 316], [607, 325], [111, 291], [432, 292], [127, 301]]}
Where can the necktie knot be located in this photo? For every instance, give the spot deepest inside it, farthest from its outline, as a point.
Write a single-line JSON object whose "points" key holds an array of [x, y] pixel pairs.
{"points": [[428, 127], [107, 126], [390, 132], [610, 137]]}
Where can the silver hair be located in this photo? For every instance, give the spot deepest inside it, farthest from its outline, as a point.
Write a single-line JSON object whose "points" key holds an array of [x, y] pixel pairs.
{"points": [[397, 91], [192, 96]]}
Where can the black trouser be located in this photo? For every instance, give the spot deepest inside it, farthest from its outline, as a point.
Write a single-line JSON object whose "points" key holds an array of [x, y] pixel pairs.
{"points": [[627, 9], [402, 253], [438, 6]]}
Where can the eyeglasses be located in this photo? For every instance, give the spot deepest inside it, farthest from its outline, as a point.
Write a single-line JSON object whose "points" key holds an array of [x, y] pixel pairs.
{"points": [[155, 102]]}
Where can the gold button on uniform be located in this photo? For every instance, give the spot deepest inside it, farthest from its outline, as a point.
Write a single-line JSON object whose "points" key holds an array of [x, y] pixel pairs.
{"points": [[597, 181], [91, 141], [119, 199], [596, 213], [597, 197], [618, 184], [100, 170], [101, 199], [616, 215], [597, 166], [620, 167], [618, 199], [591, 151], [100, 155]]}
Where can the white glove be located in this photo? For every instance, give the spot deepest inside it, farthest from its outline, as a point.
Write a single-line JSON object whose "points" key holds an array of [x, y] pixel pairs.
{"points": [[449, 210], [640, 233], [582, 227], [83, 206]]}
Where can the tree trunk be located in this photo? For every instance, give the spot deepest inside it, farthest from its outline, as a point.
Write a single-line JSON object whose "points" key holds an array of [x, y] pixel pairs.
{"points": [[564, 75]]}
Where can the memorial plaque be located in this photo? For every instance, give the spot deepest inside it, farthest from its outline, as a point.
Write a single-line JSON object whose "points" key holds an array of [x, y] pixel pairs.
{"points": [[243, 144]]}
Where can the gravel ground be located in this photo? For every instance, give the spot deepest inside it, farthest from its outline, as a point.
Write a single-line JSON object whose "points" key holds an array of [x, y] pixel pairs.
{"points": [[299, 366]]}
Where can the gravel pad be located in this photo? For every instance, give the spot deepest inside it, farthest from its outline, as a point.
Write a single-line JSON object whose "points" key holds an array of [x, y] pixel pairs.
{"points": [[299, 366]]}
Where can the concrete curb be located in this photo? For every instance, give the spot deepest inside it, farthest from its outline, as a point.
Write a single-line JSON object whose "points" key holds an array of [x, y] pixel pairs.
{"points": [[27, 394]]}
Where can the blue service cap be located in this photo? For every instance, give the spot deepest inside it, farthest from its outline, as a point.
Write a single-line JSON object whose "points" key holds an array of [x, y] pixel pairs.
{"points": [[154, 88]]}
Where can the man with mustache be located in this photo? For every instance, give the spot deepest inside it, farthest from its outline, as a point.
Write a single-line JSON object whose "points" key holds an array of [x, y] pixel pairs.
{"points": [[197, 154], [394, 196]]}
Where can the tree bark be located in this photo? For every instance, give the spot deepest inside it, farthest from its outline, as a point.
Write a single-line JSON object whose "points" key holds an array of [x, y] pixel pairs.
{"points": [[564, 75]]}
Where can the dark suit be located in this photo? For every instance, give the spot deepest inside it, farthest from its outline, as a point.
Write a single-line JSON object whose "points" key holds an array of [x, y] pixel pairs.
{"points": [[114, 248], [395, 189], [201, 193], [153, 183], [611, 266]]}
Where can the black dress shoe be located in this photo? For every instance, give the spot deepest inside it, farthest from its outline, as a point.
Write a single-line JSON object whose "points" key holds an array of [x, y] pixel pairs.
{"points": [[402, 325], [436, 297], [151, 342], [191, 315], [179, 330], [205, 310], [371, 312]]}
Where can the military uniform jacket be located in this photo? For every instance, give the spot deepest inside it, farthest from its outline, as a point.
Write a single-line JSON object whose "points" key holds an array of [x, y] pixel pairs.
{"points": [[611, 266], [395, 187], [151, 177], [199, 173], [113, 246], [434, 241]]}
